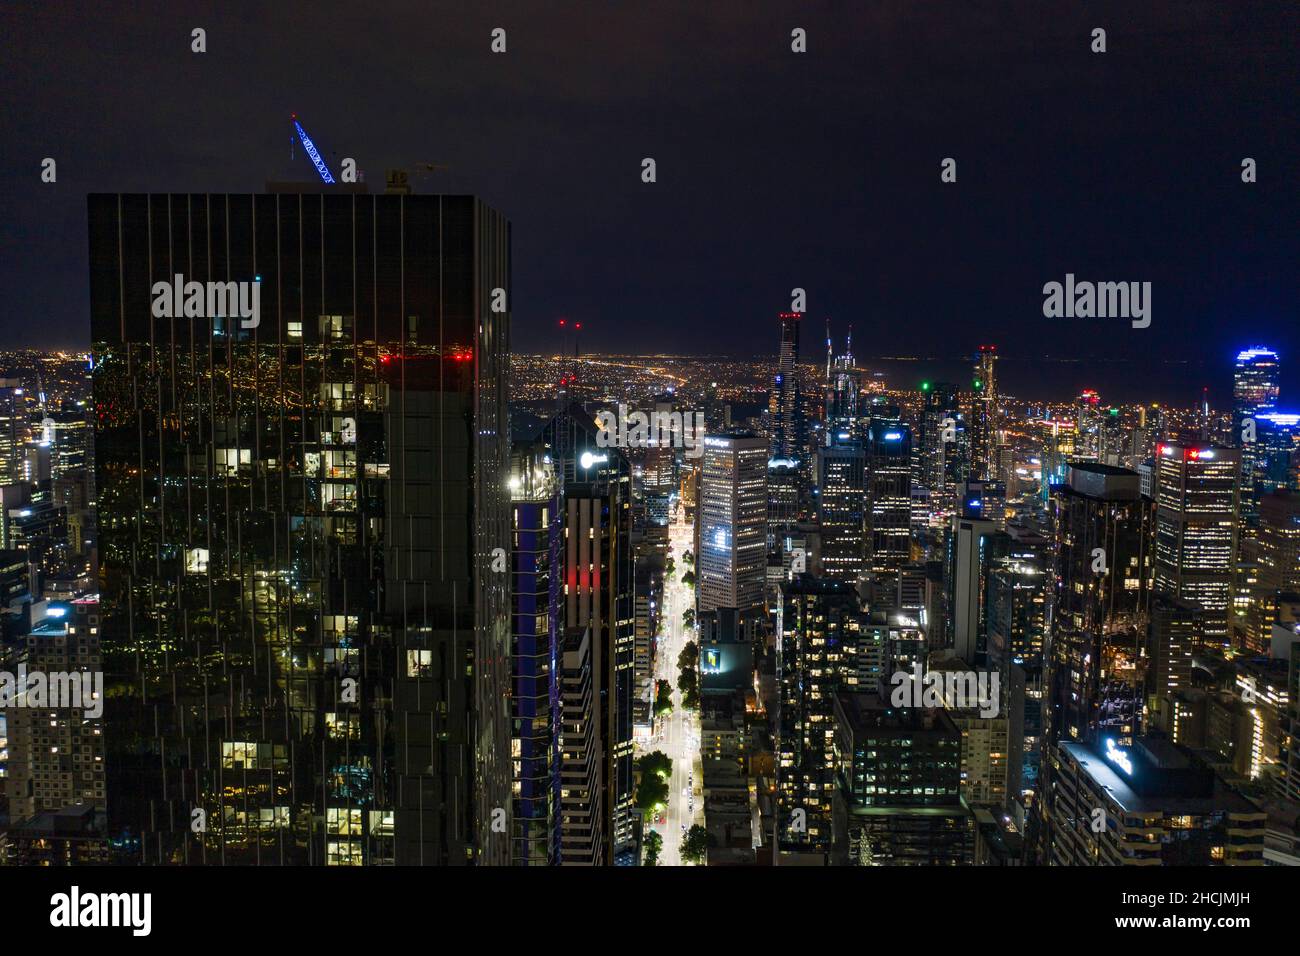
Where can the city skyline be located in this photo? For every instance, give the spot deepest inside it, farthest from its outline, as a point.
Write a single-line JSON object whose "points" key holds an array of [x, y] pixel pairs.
{"points": [[644, 436], [1124, 166]]}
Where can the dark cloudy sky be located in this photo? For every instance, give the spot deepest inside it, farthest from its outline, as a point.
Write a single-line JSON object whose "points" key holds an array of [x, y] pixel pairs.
{"points": [[775, 169]]}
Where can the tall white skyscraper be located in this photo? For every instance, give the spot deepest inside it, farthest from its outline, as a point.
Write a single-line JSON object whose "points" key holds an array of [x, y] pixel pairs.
{"points": [[732, 555]]}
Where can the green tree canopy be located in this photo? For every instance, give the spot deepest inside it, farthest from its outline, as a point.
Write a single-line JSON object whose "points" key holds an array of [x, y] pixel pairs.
{"points": [[653, 844], [689, 655], [696, 844], [656, 763], [651, 793]]}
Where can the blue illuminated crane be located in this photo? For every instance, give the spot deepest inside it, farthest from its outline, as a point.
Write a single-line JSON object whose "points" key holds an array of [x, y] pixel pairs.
{"points": [[312, 152]]}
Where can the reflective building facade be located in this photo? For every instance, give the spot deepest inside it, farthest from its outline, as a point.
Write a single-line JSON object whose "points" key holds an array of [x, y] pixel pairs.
{"points": [[306, 643]]}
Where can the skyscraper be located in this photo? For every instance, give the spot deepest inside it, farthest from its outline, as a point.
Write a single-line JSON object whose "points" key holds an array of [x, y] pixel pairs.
{"points": [[1256, 383], [582, 805], [306, 639], [1176, 628], [537, 564], [840, 469], [1256, 386], [732, 524], [13, 430], [842, 385], [1103, 555], [1279, 562], [598, 600], [788, 438], [1017, 614], [985, 416], [817, 618], [56, 751], [1088, 413], [974, 542], [944, 447], [1196, 529], [1101, 606], [1159, 809], [899, 773], [889, 495]]}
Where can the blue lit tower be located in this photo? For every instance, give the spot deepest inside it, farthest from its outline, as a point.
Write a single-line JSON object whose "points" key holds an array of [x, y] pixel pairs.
{"points": [[1255, 390]]}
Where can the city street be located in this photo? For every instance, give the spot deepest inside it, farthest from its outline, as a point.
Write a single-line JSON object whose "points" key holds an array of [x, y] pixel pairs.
{"points": [[680, 731]]}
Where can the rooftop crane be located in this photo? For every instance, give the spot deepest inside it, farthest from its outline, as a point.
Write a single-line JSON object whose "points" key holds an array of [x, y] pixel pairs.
{"points": [[312, 152]]}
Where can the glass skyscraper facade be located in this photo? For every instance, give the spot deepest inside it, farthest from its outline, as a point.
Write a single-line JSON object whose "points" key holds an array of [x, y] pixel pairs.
{"points": [[306, 637]]}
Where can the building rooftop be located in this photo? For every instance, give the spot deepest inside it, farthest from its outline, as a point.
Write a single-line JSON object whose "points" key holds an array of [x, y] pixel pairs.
{"points": [[1106, 776], [864, 712]]}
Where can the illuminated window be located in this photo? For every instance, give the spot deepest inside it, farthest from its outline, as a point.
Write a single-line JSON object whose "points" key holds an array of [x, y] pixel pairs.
{"points": [[343, 821], [419, 663]]}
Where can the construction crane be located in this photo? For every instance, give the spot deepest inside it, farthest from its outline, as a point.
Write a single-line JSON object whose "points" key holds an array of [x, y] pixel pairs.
{"points": [[312, 153]]}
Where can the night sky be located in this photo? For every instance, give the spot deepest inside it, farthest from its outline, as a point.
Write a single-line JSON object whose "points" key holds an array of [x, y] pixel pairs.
{"points": [[775, 169]]}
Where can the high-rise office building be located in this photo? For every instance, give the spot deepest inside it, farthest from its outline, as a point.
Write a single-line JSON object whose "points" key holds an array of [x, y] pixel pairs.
{"points": [[842, 416], [889, 495], [1277, 452], [599, 599], [816, 619], [582, 830], [1176, 629], [1278, 568], [788, 439], [985, 416], [300, 504], [1104, 561], [898, 799], [1256, 386], [70, 443], [537, 563], [782, 500], [1103, 569], [1196, 529], [1057, 450], [1016, 611], [840, 469], [1088, 415], [13, 430], [1256, 381], [1158, 809], [974, 543], [731, 562], [944, 450], [56, 748]]}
